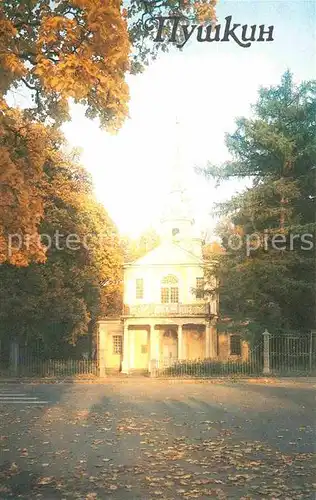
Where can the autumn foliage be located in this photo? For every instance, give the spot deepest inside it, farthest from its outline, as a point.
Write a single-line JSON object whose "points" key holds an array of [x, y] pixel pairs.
{"points": [[24, 147], [57, 50], [51, 52]]}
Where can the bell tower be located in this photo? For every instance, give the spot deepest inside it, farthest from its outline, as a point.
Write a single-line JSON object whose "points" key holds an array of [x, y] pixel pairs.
{"points": [[177, 221]]}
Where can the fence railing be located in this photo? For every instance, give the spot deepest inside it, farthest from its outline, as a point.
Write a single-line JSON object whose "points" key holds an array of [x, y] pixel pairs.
{"points": [[293, 354], [35, 367], [275, 355], [204, 368]]}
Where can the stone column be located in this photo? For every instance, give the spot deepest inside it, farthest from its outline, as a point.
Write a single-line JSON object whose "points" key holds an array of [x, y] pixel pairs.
{"points": [[213, 340], [125, 362], [184, 343], [131, 343], [266, 352], [180, 342], [207, 340], [154, 349], [101, 349]]}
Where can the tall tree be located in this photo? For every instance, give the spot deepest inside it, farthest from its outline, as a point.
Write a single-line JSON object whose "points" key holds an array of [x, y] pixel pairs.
{"points": [[25, 147], [135, 248], [59, 300], [267, 273], [81, 49], [52, 51]]}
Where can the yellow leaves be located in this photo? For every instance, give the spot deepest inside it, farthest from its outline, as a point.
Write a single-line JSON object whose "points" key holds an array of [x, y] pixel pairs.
{"points": [[82, 54], [24, 147], [205, 12], [56, 28], [12, 63], [7, 31], [87, 60]]}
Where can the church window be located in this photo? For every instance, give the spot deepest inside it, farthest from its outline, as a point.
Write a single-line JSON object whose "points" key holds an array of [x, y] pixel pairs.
{"points": [[199, 288], [139, 288], [235, 345], [169, 290], [164, 295], [174, 295], [117, 344]]}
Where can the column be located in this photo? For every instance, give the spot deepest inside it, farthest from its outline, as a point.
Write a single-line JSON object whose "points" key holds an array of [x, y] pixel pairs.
{"points": [[154, 348], [180, 342], [131, 344], [207, 340], [184, 343], [266, 352], [213, 338], [101, 348], [125, 362]]}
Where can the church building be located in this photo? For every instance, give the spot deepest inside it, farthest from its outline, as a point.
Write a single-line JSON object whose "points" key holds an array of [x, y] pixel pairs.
{"points": [[167, 315]]}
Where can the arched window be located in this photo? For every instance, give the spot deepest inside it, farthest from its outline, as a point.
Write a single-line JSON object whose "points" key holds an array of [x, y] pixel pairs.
{"points": [[169, 290]]}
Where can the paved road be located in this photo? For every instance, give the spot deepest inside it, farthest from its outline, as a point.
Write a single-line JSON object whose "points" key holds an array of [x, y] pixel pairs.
{"points": [[146, 439]]}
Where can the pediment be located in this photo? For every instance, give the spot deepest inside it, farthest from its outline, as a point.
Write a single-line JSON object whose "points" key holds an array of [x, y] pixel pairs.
{"points": [[167, 254]]}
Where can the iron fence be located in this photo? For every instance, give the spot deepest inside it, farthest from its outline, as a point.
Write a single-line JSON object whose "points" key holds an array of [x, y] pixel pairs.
{"points": [[206, 368], [34, 367], [285, 354], [293, 354]]}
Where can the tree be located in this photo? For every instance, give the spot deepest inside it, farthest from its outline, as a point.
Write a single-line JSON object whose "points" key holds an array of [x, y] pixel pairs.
{"points": [[60, 300], [62, 49], [142, 18], [269, 264], [80, 49], [24, 148], [136, 248], [52, 51]]}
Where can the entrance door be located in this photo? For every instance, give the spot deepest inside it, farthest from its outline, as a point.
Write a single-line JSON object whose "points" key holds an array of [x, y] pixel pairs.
{"points": [[140, 349], [170, 351], [170, 348]]}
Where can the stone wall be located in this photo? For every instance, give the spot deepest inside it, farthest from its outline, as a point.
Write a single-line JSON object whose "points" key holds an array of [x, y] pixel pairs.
{"points": [[224, 353], [108, 359]]}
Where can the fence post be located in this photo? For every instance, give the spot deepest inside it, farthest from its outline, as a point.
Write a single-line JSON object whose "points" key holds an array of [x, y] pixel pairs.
{"points": [[311, 351], [266, 352], [153, 370], [14, 357]]}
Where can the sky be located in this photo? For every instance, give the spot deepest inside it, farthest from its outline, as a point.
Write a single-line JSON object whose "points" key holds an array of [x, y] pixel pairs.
{"points": [[206, 87]]}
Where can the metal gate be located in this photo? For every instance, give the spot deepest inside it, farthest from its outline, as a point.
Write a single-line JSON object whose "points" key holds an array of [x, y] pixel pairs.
{"points": [[293, 353]]}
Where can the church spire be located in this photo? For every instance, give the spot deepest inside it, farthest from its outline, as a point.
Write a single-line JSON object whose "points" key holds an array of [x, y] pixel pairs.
{"points": [[177, 218], [176, 181]]}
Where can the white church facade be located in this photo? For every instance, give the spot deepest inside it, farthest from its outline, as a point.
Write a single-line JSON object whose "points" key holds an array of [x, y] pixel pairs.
{"points": [[167, 316]]}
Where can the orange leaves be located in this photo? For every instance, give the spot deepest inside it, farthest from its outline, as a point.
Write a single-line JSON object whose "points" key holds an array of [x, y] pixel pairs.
{"points": [[12, 63], [53, 29], [205, 10], [78, 49], [24, 147], [7, 31]]}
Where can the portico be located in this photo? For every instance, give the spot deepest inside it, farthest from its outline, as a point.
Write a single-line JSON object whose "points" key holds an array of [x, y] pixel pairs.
{"points": [[166, 340]]}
